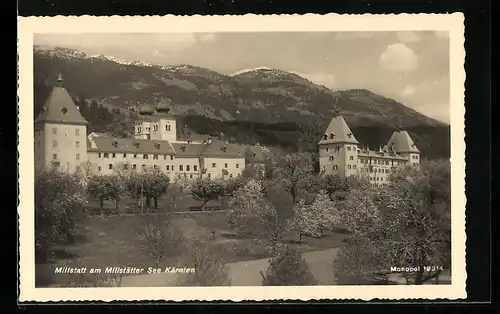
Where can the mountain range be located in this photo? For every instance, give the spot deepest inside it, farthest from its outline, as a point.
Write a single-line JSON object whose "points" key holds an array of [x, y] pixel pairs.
{"points": [[269, 105]]}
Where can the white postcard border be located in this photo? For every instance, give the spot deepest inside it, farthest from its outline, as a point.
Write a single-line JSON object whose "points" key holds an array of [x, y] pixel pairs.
{"points": [[451, 23]]}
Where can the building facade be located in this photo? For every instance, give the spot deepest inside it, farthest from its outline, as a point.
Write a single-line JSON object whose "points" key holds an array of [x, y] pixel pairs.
{"points": [[340, 153], [61, 141]]}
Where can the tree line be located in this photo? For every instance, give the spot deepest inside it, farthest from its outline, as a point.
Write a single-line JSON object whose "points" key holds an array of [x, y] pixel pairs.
{"points": [[407, 222]]}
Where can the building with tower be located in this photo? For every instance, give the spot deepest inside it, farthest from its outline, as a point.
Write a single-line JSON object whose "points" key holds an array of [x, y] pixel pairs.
{"points": [[60, 132], [340, 153], [61, 141]]}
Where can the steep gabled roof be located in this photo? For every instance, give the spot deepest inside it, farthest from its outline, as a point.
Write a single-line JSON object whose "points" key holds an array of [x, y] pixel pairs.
{"points": [[338, 132], [60, 108], [401, 142]]}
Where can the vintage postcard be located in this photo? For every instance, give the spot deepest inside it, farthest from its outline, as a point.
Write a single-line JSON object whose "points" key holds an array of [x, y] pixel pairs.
{"points": [[284, 157]]}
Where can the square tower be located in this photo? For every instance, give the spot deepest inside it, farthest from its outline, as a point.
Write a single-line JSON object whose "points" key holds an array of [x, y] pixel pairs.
{"points": [[60, 133], [338, 149], [402, 144]]}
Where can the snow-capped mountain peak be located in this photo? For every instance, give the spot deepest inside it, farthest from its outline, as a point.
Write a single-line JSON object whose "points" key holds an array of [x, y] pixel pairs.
{"points": [[250, 70]]}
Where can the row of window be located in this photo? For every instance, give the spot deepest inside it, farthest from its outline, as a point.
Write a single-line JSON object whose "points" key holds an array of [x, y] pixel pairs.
{"points": [[376, 170], [155, 128], [378, 179], [331, 158], [134, 167], [55, 144], [414, 157], [144, 156], [337, 148], [54, 131]]}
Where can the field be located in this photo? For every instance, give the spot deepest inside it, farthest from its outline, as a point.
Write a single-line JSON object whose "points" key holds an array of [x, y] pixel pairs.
{"points": [[115, 241]]}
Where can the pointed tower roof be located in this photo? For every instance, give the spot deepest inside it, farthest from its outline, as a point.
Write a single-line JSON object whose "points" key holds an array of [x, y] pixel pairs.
{"points": [[401, 142], [338, 132], [60, 107]]}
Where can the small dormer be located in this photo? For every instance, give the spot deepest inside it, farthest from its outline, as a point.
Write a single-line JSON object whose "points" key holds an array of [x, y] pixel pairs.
{"points": [[325, 137], [183, 148], [157, 146], [115, 144], [332, 136], [64, 110], [137, 144], [223, 148], [349, 135]]}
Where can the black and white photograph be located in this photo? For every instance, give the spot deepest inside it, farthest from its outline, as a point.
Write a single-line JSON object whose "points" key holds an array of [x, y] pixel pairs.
{"points": [[278, 158]]}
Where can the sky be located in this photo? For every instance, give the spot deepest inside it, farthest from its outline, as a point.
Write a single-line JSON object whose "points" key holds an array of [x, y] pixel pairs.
{"points": [[410, 67]]}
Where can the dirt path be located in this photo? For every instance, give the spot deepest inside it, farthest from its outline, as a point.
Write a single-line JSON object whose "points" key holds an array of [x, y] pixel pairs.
{"points": [[245, 273]]}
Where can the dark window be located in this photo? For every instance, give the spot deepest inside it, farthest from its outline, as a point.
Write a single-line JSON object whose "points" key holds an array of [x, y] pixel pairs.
{"points": [[155, 156], [77, 144], [351, 157], [99, 155], [195, 168], [134, 166], [114, 155], [331, 158], [225, 165], [54, 156], [125, 166], [110, 166], [187, 167], [213, 165], [145, 156], [106, 155], [171, 157], [237, 165], [124, 155], [190, 176], [181, 167]]}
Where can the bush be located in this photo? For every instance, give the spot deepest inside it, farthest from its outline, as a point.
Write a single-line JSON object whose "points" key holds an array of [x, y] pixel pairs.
{"points": [[289, 268], [59, 207]]}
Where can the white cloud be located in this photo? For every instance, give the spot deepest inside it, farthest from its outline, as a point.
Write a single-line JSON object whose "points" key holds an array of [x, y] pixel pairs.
{"points": [[408, 37], [326, 79], [398, 57], [409, 90]]}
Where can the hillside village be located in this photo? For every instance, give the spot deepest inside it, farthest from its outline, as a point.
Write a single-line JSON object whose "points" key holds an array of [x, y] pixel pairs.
{"points": [[114, 184], [60, 140]]}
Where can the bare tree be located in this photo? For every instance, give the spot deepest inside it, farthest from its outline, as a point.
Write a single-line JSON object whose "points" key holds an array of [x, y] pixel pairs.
{"points": [[210, 269], [160, 238]]}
